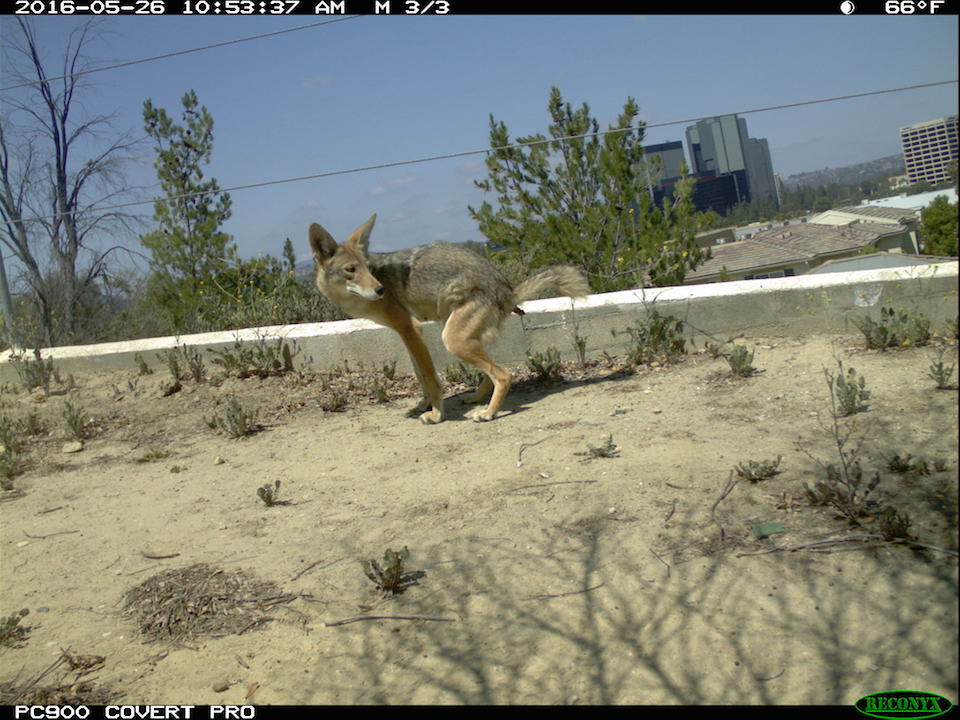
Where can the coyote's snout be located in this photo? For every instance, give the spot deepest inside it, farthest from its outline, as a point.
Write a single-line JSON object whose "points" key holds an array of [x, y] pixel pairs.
{"points": [[440, 281]]}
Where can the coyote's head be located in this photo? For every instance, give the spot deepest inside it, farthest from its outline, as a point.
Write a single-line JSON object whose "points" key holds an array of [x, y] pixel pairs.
{"points": [[343, 272]]}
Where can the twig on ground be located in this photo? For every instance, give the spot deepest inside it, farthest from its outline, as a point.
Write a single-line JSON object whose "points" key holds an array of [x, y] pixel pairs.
{"points": [[44, 537], [566, 594], [29, 686], [661, 560], [728, 488], [870, 537], [558, 482], [524, 446], [673, 509], [358, 618], [311, 566]]}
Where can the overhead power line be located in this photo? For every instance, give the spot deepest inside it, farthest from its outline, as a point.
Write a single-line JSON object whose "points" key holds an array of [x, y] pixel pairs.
{"points": [[512, 146], [183, 52]]}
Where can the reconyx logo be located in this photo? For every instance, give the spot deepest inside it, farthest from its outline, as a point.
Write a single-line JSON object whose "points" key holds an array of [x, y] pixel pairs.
{"points": [[903, 704]]}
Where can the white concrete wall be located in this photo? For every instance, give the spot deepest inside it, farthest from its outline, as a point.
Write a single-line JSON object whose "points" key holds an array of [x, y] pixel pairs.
{"points": [[791, 306]]}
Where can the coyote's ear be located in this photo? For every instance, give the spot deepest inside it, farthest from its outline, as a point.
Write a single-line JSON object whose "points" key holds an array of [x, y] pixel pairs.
{"points": [[322, 244], [360, 238]]}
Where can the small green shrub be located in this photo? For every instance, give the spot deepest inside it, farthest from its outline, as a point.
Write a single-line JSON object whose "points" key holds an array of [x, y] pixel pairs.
{"points": [[714, 350], [846, 490], [547, 366], [608, 450], [755, 471], [907, 465], [11, 457], [741, 361], [580, 347], [461, 373], [894, 524], [194, 361], [390, 579], [153, 456], [12, 633], [76, 419], [172, 361], [850, 390], [389, 370], [31, 425], [35, 373], [334, 400], [894, 329], [655, 338], [10, 434], [940, 373], [142, 367], [11, 465], [260, 359], [270, 494], [183, 362], [952, 327], [237, 421], [379, 391]]}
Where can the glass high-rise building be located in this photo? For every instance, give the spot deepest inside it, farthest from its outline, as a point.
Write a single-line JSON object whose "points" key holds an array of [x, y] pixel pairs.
{"points": [[722, 145]]}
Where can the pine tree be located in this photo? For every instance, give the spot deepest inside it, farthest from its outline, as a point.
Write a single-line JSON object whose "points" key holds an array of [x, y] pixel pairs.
{"points": [[188, 250], [580, 197]]}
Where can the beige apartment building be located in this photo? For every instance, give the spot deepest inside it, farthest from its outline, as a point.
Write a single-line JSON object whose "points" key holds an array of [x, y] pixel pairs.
{"points": [[928, 148]]}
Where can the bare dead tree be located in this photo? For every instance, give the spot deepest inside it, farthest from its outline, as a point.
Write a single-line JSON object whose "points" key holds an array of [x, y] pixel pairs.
{"points": [[55, 203]]}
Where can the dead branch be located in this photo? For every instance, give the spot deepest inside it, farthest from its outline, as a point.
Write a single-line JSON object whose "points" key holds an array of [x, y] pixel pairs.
{"points": [[358, 618]]}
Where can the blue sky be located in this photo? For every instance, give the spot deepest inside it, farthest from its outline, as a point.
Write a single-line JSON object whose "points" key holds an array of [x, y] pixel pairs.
{"points": [[377, 89]]}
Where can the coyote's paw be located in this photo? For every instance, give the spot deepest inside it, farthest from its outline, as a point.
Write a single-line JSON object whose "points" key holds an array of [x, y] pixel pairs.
{"points": [[431, 417], [420, 408], [481, 415]]}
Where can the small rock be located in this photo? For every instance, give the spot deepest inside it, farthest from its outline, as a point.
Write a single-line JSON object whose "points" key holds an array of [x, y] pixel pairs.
{"points": [[220, 687], [218, 460], [72, 447]]}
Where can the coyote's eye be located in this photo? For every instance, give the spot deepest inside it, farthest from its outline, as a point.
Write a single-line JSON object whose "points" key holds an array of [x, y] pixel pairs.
{"points": [[350, 269]]}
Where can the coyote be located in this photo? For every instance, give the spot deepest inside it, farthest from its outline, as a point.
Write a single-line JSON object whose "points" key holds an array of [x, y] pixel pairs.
{"points": [[440, 281]]}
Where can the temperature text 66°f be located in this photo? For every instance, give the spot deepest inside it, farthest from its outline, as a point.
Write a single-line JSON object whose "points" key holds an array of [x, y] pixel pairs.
{"points": [[912, 7]]}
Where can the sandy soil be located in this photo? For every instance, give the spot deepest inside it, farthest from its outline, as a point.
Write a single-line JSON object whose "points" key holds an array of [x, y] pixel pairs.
{"points": [[548, 575]]}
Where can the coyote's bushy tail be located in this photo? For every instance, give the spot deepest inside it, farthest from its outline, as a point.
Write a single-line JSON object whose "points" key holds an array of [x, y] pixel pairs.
{"points": [[555, 281]]}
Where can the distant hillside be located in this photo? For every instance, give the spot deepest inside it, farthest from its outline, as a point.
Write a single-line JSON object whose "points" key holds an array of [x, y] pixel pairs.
{"points": [[887, 166]]}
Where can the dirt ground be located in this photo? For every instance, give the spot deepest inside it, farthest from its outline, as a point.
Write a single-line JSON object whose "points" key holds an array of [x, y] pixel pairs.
{"points": [[542, 572]]}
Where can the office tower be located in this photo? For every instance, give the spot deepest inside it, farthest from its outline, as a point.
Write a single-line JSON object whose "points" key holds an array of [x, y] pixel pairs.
{"points": [[664, 161], [721, 145], [928, 148]]}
